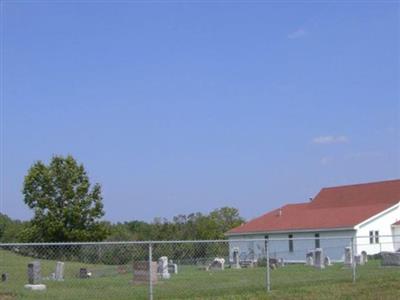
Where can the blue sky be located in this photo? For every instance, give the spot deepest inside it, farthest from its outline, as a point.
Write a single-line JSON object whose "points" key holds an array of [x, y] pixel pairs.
{"points": [[183, 107]]}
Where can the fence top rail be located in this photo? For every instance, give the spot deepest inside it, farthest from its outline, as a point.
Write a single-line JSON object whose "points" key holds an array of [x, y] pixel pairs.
{"points": [[349, 238]]}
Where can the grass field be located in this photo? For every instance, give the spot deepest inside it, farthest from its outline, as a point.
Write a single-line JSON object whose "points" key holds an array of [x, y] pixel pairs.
{"points": [[290, 282]]}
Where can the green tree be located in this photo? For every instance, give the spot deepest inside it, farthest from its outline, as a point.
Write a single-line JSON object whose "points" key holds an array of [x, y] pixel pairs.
{"points": [[66, 207]]}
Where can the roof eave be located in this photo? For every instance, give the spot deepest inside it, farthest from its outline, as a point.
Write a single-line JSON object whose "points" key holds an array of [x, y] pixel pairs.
{"points": [[289, 231]]}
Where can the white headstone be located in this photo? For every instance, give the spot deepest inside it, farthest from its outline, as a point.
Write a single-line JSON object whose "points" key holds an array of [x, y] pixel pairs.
{"points": [[172, 268], [309, 261], [327, 261], [163, 267], [319, 263], [217, 264], [35, 287], [59, 274]]}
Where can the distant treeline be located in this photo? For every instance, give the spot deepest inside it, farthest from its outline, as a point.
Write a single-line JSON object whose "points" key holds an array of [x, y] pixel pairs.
{"points": [[195, 226]]}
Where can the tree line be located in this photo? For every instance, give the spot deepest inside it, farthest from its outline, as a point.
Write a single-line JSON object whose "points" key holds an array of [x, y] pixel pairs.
{"points": [[68, 208]]}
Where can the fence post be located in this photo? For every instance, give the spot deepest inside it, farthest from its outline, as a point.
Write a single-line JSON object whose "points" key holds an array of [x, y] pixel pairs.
{"points": [[268, 269], [150, 271], [354, 263]]}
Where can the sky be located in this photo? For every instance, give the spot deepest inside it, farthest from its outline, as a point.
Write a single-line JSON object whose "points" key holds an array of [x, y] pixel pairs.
{"points": [[179, 107]]}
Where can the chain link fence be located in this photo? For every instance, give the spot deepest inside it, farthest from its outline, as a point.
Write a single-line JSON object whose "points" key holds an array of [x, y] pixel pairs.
{"points": [[189, 269]]}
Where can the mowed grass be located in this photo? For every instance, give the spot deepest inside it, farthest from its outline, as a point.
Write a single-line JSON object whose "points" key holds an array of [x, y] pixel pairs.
{"points": [[290, 282]]}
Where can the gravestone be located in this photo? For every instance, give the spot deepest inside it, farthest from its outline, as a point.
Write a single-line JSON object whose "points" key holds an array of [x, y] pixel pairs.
{"points": [[318, 262], [348, 257], [364, 257], [83, 273], [34, 276], [327, 261], [142, 274], [358, 259], [162, 269], [281, 262], [310, 258], [390, 258], [4, 277], [172, 268], [59, 274], [217, 264], [236, 264]]}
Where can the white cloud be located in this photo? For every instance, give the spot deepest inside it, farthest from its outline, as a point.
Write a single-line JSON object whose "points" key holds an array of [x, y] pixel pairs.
{"points": [[299, 33], [330, 139]]}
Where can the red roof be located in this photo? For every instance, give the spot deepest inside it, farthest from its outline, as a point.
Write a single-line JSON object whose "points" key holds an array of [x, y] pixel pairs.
{"points": [[333, 207]]}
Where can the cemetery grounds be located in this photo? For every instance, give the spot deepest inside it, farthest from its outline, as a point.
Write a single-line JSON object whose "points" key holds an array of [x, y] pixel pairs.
{"points": [[108, 281]]}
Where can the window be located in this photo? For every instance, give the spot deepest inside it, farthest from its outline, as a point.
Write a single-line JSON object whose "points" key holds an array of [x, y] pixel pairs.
{"points": [[317, 243], [377, 237], [371, 237], [290, 242], [266, 241]]}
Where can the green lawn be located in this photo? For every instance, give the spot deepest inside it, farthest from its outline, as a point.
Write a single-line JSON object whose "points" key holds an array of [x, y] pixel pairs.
{"points": [[290, 282]]}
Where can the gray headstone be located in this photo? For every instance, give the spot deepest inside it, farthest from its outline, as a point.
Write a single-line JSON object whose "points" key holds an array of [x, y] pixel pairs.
{"points": [[172, 268], [83, 273], [4, 277], [327, 261], [318, 262], [364, 257], [358, 260], [59, 274], [34, 276], [236, 264], [390, 258], [348, 257]]}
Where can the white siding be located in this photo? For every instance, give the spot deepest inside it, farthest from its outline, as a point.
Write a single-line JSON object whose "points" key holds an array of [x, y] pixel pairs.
{"points": [[253, 250], [382, 223]]}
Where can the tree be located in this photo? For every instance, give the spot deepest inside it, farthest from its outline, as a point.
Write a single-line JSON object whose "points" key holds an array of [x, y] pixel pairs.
{"points": [[66, 207]]}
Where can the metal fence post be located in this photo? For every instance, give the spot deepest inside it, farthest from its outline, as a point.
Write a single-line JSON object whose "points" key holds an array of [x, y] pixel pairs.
{"points": [[150, 271], [268, 269], [354, 263]]}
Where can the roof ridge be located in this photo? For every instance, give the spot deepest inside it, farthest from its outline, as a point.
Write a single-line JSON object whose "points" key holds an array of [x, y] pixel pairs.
{"points": [[358, 184]]}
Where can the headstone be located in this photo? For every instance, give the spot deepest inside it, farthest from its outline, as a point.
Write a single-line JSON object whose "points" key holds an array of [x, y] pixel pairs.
{"points": [[358, 259], [348, 257], [309, 261], [318, 262], [390, 258], [162, 269], [141, 272], [273, 263], [172, 268], [59, 274], [236, 264], [83, 273], [364, 257], [327, 261], [34, 276], [217, 264], [35, 287], [281, 262], [310, 258], [4, 277]]}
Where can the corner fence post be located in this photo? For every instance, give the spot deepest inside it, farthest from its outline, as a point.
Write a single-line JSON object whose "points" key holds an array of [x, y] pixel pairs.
{"points": [[150, 271], [268, 269], [354, 263]]}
